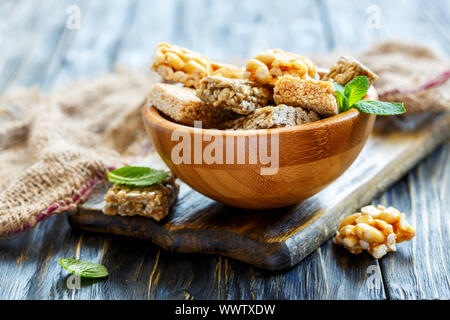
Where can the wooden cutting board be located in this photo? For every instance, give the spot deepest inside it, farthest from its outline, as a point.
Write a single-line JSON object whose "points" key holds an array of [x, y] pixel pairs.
{"points": [[280, 238]]}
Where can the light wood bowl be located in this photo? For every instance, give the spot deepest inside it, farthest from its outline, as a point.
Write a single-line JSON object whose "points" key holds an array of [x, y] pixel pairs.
{"points": [[311, 156]]}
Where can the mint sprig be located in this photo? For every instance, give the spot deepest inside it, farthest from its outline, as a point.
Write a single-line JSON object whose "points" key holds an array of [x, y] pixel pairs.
{"points": [[84, 269], [137, 176], [352, 94], [380, 107]]}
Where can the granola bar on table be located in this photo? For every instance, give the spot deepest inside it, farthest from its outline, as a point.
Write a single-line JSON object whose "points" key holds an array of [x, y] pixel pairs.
{"points": [[309, 94], [269, 65], [182, 105], [347, 69], [272, 117], [154, 201], [240, 96], [188, 67]]}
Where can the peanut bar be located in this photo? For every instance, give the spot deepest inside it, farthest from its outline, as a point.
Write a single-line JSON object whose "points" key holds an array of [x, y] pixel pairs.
{"points": [[269, 65], [188, 67], [375, 229]]}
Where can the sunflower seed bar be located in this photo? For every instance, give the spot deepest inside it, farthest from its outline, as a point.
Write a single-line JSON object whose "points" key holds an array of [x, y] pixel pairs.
{"points": [[347, 69], [269, 65], [310, 94], [240, 96], [153, 202], [375, 229], [182, 105], [188, 67], [272, 117]]}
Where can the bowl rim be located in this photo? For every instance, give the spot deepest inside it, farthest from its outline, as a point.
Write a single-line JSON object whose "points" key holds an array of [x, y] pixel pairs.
{"points": [[153, 115]]}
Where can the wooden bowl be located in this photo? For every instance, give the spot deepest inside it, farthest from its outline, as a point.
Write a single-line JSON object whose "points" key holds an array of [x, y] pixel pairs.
{"points": [[311, 156]]}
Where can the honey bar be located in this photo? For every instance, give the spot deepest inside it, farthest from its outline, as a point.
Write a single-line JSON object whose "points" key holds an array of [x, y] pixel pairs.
{"points": [[310, 94], [272, 117], [153, 202], [347, 69], [182, 105], [240, 96]]}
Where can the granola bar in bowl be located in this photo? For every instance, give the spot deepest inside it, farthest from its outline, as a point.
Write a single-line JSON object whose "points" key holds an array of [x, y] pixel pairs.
{"points": [[268, 137]]}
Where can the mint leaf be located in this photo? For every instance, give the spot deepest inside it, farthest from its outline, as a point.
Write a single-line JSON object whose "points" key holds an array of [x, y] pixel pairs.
{"points": [[342, 101], [356, 89], [339, 88], [380, 107], [137, 176], [83, 268]]}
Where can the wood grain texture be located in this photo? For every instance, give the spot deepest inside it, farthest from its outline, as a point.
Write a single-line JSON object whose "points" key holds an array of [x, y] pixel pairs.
{"points": [[280, 238], [28, 267]]}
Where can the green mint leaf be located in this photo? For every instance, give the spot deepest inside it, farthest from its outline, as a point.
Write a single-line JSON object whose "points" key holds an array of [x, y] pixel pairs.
{"points": [[137, 176], [83, 268], [339, 87], [356, 89], [342, 101], [380, 107]]}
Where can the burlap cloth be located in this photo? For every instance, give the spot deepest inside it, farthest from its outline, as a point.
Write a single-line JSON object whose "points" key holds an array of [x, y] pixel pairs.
{"points": [[55, 147]]}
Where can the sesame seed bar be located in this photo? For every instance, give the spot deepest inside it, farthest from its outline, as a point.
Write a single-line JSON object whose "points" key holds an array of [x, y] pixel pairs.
{"points": [[182, 65], [240, 96], [348, 68], [272, 117], [269, 65], [310, 94], [153, 202], [183, 106]]}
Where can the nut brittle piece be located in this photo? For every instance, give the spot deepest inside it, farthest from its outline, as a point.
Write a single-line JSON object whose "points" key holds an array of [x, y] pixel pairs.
{"points": [[153, 202], [309, 94], [179, 64], [182, 105], [224, 70], [375, 229], [272, 117], [182, 65], [240, 96], [271, 64], [348, 68]]}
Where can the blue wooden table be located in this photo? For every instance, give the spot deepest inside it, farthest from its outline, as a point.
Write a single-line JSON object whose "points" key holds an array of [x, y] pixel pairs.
{"points": [[44, 43]]}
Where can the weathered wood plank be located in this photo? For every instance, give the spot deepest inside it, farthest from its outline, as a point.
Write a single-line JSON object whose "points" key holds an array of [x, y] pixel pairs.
{"points": [[280, 238], [226, 31], [355, 23], [406, 275], [36, 254], [420, 268], [29, 26]]}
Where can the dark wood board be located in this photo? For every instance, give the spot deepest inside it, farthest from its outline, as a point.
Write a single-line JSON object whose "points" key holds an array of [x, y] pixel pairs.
{"points": [[281, 238]]}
